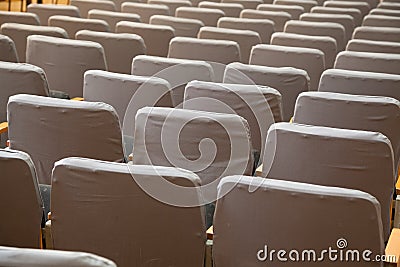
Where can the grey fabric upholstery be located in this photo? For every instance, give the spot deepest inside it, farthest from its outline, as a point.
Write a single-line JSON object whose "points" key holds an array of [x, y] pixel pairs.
{"points": [[45, 11], [7, 49]]}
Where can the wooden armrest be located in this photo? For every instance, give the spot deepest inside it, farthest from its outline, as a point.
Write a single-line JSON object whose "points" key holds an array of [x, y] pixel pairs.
{"points": [[291, 120], [130, 157], [392, 250], [3, 127], [210, 233], [259, 170], [398, 186], [78, 99]]}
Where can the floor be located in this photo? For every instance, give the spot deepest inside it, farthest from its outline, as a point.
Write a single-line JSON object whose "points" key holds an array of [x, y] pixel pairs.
{"points": [[16, 4]]}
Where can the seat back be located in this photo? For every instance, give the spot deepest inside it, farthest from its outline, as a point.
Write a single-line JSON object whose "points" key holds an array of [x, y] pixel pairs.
{"points": [[359, 45], [216, 52], [259, 105], [345, 20], [18, 17], [278, 17], [20, 78], [246, 39], [389, 5], [127, 94], [360, 83], [289, 82], [386, 12], [45, 11], [182, 26], [248, 4], [291, 215], [144, 10], [173, 137], [61, 128], [388, 34], [178, 72], [334, 30], [324, 43], [381, 21], [112, 17], [364, 7], [294, 10], [364, 61], [7, 49], [230, 9], [308, 59], [350, 159], [20, 203], [156, 37], [73, 25], [354, 12], [264, 27], [85, 6], [65, 61], [119, 48], [209, 16], [128, 224], [306, 4], [24, 257], [171, 4], [367, 113], [20, 32]]}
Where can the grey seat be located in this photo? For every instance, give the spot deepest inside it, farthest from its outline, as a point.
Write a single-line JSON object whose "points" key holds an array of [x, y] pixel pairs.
{"points": [[18, 17], [386, 34], [72, 25], [112, 17], [85, 6], [182, 26], [7, 49], [45, 11], [360, 45]]}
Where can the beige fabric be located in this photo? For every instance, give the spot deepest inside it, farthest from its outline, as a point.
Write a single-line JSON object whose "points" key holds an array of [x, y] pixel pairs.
{"points": [[61, 128], [171, 137], [364, 61], [73, 25], [182, 26], [112, 18], [389, 5], [209, 16], [249, 4], [45, 11], [127, 94], [290, 82], [364, 7], [352, 159], [7, 49], [156, 37], [119, 48], [324, 43], [86, 5], [278, 17], [386, 12], [216, 52], [306, 4], [387, 34], [20, 201], [23, 257], [368, 113], [308, 59], [264, 27], [381, 21], [20, 32], [346, 21], [145, 11], [178, 72], [283, 215], [373, 46], [259, 105], [334, 30], [171, 4], [230, 9], [126, 224], [372, 3], [354, 12], [18, 17], [294, 10], [246, 39], [360, 83], [20, 78], [65, 61]]}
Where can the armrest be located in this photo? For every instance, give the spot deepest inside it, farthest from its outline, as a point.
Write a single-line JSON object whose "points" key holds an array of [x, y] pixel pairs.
{"points": [[48, 235], [210, 233], [398, 187], [78, 99], [259, 170], [392, 250], [3, 127]]}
